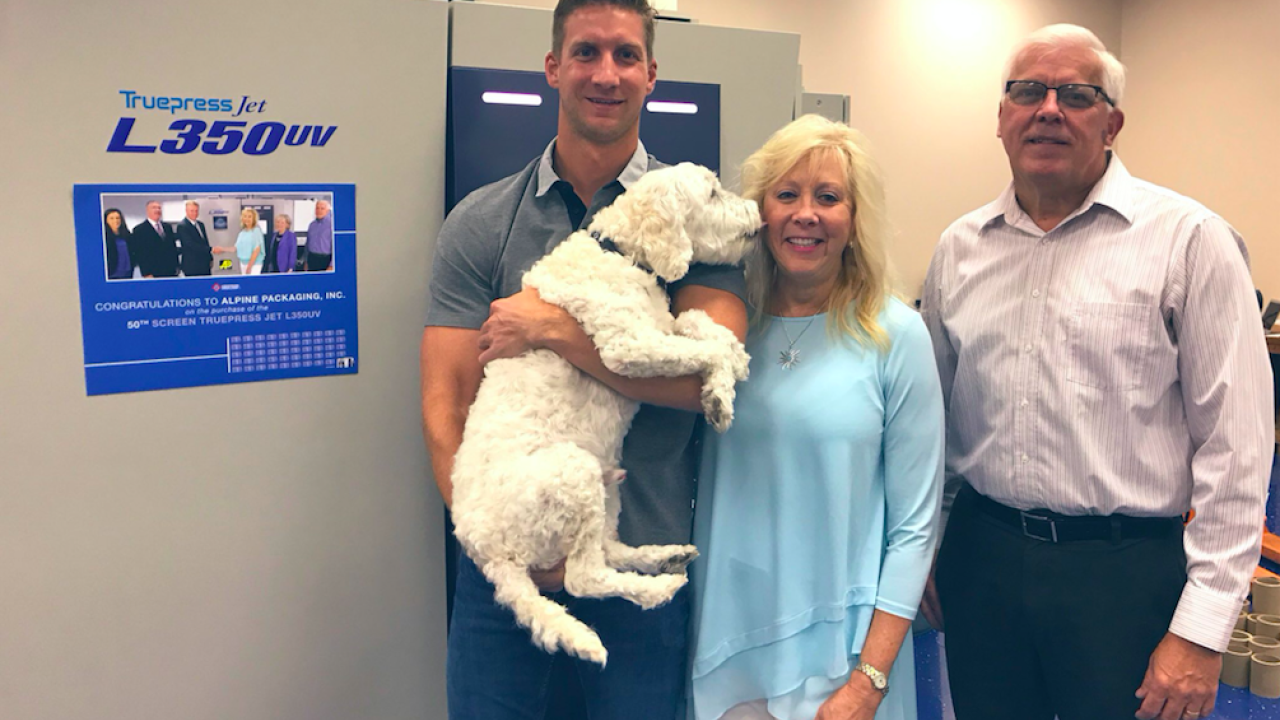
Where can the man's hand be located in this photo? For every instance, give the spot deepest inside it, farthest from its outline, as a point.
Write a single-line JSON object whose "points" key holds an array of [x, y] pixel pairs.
{"points": [[549, 580], [521, 323], [855, 700], [929, 605], [1181, 681]]}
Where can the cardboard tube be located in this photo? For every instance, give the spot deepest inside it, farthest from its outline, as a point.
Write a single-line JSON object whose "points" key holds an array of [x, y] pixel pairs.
{"points": [[1266, 595], [1264, 676], [1235, 665], [1264, 646], [1268, 625]]}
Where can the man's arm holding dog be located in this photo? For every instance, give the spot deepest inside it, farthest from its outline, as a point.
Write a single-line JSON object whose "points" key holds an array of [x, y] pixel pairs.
{"points": [[451, 374], [524, 322]]}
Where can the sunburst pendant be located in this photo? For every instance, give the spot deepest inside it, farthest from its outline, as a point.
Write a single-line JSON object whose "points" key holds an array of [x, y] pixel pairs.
{"points": [[789, 358]]}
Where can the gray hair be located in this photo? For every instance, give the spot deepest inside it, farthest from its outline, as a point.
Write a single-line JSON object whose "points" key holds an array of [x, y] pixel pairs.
{"points": [[287, 220], [1065, 35], [189, 203]]}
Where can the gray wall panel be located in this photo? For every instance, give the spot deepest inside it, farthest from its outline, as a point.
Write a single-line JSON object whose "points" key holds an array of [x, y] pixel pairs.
{"points": [[253, 551]]}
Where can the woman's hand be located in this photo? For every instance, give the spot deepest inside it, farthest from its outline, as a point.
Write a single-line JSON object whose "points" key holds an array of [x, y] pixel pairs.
{"points": [[855, 700]]}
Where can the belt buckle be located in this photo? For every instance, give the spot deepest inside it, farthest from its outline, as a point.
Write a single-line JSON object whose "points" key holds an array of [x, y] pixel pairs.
{"points": [[1053, 527]]}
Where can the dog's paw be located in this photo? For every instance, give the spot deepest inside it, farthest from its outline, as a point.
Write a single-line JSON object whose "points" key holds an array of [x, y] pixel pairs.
{"points": [[659, 591], [677, 564], [586, 646], [717, 405], [695, 324], [719, 417]]}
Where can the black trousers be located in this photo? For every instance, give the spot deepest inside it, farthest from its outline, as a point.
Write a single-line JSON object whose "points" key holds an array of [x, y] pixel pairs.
{"points": [[317, 262], [1035, 629]]}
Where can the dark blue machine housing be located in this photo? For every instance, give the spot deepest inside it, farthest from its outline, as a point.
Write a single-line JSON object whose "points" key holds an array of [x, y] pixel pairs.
{"points": [[488, 142]]}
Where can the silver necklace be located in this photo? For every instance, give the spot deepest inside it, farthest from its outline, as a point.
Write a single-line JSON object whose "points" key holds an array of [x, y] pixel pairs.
{"points": [[790, 357]]}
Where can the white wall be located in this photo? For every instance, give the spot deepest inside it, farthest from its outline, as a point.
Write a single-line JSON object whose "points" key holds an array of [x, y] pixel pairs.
{"points": [[1202, 111], [257, 551]]}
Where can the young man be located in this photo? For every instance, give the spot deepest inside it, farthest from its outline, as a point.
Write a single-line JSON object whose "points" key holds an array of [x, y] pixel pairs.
{"points": [[602, 63]]}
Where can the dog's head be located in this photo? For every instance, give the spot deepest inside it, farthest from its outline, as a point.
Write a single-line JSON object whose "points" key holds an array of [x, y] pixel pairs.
{"points": [[676, 216]]}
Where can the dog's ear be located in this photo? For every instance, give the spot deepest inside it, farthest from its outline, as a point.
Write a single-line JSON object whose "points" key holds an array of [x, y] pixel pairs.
{"points": [[663, 243], [648, 224]]}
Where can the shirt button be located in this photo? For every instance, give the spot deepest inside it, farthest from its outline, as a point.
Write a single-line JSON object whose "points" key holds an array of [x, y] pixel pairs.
{"points": [[1024, 402], [1025, 458], [1028, 347], [1035, 293]]}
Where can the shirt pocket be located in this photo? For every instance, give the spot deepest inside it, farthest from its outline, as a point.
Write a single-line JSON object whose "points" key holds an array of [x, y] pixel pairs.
{"points": [[1110, 344]]}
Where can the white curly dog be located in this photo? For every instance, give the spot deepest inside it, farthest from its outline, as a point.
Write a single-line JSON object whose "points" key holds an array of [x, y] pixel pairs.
{"points": [[535, 479]]}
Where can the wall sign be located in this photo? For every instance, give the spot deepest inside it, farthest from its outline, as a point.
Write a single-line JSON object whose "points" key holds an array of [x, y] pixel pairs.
{"points": [[239, 293]]}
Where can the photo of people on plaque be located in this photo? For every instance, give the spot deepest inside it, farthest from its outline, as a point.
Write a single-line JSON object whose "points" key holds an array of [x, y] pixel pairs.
{"points": [[175, 235]]}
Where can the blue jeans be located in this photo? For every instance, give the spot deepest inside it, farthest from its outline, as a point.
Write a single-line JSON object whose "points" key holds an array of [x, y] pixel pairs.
{"points": [[495, 671]]}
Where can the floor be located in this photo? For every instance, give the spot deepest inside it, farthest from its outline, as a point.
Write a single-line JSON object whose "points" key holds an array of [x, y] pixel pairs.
{"points": [[934, 701]]}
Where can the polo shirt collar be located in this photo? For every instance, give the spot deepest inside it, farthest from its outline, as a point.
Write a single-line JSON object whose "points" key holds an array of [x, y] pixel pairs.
{"points": [[634, 169]]}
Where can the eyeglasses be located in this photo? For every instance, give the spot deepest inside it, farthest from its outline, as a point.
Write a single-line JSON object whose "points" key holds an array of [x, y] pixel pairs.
{"points": [[1077, 96]]}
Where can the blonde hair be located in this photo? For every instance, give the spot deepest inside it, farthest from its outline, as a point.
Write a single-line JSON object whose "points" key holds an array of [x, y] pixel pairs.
{"points": [[855, 304], [253, 213]]}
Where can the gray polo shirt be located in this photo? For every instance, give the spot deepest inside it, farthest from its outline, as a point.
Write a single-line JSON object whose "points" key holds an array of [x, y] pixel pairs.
{"points": [[488, 242]]}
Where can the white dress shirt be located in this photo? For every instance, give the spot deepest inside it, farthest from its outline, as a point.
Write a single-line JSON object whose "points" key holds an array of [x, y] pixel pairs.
{"points": [[1114, 364]]}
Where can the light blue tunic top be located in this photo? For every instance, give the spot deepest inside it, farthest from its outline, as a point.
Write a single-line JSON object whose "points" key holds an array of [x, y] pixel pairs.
{"points": [[816, 508], [246, 241]]}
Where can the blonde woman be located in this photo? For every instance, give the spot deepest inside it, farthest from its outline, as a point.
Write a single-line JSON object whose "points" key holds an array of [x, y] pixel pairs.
{"points": [[248, 247], [816, 510]]}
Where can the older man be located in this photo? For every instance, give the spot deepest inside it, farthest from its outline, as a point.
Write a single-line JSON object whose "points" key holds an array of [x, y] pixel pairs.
{"points": [[319, 248], [157, 245], [197, 256], [1104, 372]]}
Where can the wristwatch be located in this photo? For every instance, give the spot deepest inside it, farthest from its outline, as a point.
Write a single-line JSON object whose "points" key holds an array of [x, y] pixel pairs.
{"points": [[878, 680]]}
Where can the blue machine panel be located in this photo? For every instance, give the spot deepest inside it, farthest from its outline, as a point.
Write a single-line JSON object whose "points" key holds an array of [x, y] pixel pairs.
{"points": [[490, 140]]}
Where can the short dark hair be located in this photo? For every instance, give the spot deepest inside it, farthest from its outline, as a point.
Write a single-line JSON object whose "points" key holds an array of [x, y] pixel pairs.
{"points": [[565, 8]]}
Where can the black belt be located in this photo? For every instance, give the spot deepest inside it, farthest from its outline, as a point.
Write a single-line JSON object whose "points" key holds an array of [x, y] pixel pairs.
{"points": [[1051, 527]]}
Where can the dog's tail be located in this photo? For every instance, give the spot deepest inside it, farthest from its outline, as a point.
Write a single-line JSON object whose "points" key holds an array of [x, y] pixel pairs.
{"points": [[552, 626]]}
